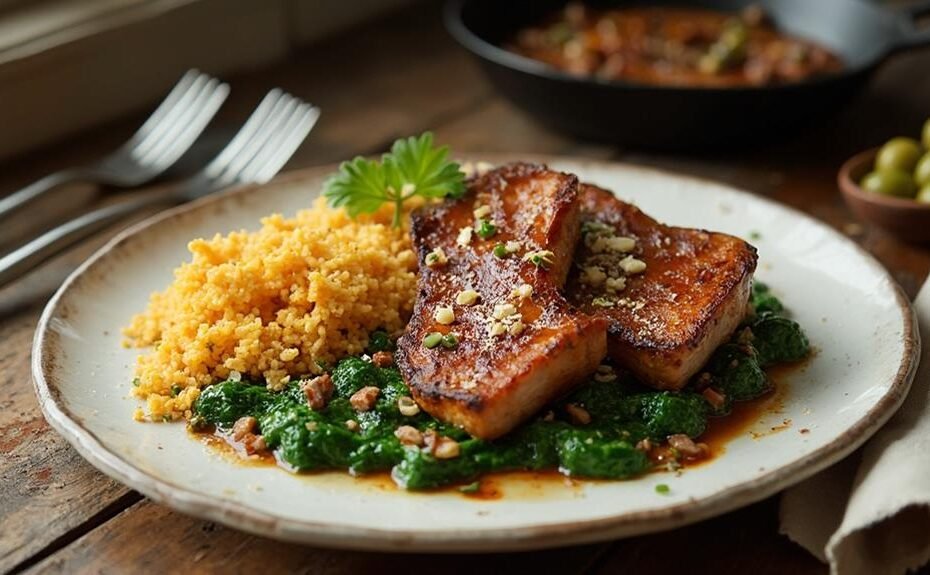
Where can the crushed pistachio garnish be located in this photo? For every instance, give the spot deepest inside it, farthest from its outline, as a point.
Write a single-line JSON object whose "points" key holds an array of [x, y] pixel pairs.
{"points": [[486, 229], [450, 341], [541, 258], [436, 258], [444, 315], [467, 297], [464, 237], [431, 340]]}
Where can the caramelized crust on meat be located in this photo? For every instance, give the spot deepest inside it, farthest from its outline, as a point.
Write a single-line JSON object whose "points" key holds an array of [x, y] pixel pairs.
{"points": [[489, 384], [667, 321]]}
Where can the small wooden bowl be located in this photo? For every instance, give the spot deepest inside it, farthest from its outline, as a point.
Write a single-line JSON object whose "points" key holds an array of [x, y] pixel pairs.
{"points": [[907, 219]]}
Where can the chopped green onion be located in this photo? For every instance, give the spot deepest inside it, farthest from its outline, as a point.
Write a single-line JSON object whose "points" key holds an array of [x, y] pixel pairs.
{"points": [[471, 487], [175, 390], [500, 250], [135, 382], [450, 341], [485, 229], [432, 340], [663, 489]]}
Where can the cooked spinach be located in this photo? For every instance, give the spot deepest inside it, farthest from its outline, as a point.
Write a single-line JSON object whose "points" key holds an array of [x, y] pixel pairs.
{"points": [[623, 412]]}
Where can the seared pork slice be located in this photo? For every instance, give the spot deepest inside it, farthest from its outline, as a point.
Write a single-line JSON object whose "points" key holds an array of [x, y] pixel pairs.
{"points": [[671, 295], [491, 267]]}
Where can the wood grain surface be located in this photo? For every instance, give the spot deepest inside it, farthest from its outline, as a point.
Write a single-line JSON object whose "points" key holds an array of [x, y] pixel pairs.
{"points": [[394, 77]]}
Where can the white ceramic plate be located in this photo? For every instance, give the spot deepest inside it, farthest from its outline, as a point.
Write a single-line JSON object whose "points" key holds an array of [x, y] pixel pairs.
{"points": [[857, 318]]}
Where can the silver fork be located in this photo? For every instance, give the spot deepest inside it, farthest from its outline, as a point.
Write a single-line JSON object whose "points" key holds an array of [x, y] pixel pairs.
{"points": [[169, 132], [258, 151]]}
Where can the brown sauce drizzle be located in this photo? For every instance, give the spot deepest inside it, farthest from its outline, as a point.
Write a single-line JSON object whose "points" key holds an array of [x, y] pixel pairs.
{"points": [[548, 484]]}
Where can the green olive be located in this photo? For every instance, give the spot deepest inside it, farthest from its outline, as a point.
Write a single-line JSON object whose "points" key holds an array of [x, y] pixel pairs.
{"points": [[925, 137], [898, 154], [922, 171], [923, 196], [889, 183]]}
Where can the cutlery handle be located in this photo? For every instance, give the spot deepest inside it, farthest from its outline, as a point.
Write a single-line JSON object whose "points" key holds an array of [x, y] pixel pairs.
{"points": [[37, 189], [28, 257]]}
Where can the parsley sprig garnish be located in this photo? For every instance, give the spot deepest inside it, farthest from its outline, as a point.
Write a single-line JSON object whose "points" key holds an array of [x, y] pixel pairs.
{"points": [[413, 167]]}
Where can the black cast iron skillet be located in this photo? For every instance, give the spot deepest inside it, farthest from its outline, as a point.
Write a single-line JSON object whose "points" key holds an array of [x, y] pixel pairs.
{"points": [[686, 118]]}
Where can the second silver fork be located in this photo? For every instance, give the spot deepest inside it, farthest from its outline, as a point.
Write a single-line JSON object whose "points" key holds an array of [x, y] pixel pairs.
{"points": [[259, 150]]}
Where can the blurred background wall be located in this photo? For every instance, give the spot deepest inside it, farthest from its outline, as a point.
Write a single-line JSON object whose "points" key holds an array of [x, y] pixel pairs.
{"points": [[67, 65]]}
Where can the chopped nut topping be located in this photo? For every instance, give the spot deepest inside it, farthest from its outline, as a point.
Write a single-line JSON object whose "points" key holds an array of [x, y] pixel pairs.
{"points": [[318, 391], [513, 246], [444, 315], [541, 258], [578, 414], [496, 329], [605, 377], [504, 310], [407, 406], [593, 276], [311, 425], [522, 292], [614, 285], [604, 368], [383, 359], [464, 237], [244, 426], [632, 265], [516, 328], [620, 244], [716, 399], [254, 444], [409, 435], [467, 297], [644, 445], [602, 302], [351, 425], [365, 398], [436, 258], [686, 447], [482, 212], [445, 448]]}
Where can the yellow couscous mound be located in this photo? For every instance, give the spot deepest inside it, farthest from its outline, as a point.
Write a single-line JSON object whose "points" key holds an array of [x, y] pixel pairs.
{"points": [[272, 304]]}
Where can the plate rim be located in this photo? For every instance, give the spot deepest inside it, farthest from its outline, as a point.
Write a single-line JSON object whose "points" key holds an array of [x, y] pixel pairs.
{"points": [[241, 516]]}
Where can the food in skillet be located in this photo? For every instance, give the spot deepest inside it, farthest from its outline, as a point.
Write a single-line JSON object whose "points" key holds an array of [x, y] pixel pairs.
{"points": [[285, 341], [673, 46]]}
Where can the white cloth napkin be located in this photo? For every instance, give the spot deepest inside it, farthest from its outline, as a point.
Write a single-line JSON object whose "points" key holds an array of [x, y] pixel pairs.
{"points": [[870, 514]]}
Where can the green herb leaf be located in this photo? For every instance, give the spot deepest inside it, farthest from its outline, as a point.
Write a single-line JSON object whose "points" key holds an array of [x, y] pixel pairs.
{"points": [[413, 167], [663, 489]]}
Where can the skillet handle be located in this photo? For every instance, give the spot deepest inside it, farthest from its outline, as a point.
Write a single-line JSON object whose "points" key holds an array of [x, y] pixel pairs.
{"points": [[914, 36]]}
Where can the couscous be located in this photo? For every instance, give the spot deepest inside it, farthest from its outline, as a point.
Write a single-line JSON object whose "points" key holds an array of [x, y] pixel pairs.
{"points": [[271, 305]]}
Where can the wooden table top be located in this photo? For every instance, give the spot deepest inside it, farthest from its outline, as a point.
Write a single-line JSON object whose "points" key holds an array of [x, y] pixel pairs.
{"points": [[399, 76]]}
